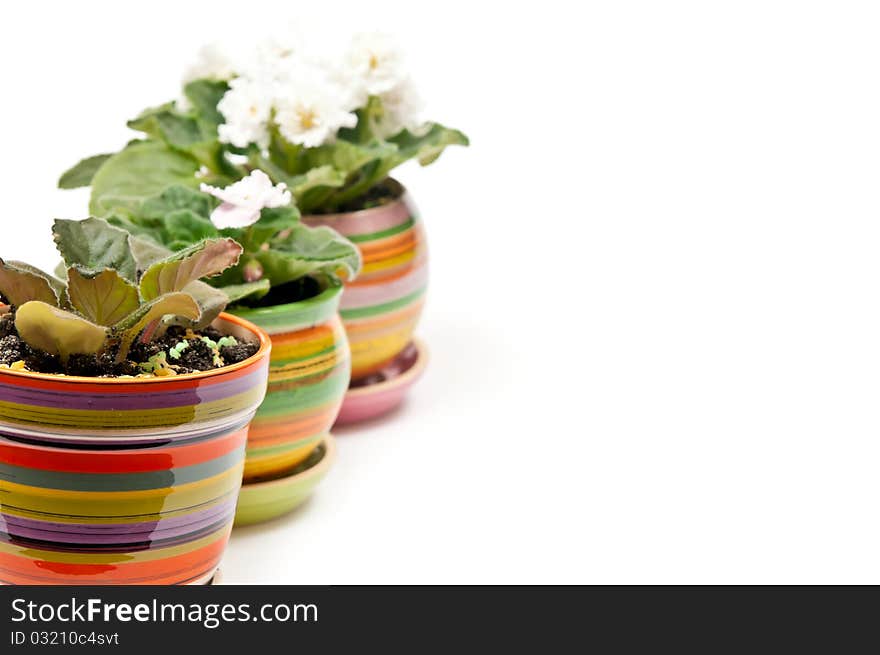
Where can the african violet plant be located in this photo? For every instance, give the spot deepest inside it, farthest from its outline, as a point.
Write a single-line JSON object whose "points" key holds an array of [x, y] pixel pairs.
{"points": [[331, 130], [118, 289], [277, 249]]}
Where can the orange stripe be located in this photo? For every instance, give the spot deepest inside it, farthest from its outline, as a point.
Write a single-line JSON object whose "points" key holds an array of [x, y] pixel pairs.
{"points": [[264, 434], [17, 570], [396, 245], [317, 332]]}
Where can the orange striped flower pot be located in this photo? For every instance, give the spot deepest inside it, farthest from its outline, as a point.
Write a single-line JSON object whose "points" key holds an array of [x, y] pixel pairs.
{"points": [[381, 308], [124, 480], [308, 376]]}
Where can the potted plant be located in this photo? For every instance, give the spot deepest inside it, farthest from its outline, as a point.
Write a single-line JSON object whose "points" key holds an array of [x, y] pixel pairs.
{"points": [[332, 130], [287, 281], [125, 398]]}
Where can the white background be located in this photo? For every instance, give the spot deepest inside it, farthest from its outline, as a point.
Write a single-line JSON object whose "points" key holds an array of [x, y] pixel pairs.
{"points": [[654, 307]]}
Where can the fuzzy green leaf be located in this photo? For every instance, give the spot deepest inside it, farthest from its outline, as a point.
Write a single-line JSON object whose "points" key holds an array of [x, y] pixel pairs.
{"points": [[151, 230], [94, 244], [181, 132], [102, 297], [204, 259], [147, 251], [211, 302], [82, 173], [204, 95], [236, 292], [174, 198], [183, 227], [149, 315], [272, 221], [56, 331], [20, 282], [142, 170], [308, 250], [427, 144]]}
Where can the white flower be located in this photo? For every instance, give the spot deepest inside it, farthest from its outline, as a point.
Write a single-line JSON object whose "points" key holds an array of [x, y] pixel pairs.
{"points": [[243, 201], [212, 62], [400, 109], [271, 58], [376, 61], [246, 107], [310, 109]]}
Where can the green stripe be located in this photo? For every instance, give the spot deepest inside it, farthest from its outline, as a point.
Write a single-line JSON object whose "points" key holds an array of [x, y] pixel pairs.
{"points": [[293, 401], [390, 232], [364, 312], [143, 481]]}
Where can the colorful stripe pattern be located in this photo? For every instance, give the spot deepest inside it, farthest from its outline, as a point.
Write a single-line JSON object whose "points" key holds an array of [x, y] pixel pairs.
{"points": [[380, 309], [309, 373], [123, 481]]}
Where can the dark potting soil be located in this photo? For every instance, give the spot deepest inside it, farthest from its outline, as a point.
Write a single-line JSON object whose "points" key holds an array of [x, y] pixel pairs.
{"points": [[379, 195], [301, 289], [197, 356]]}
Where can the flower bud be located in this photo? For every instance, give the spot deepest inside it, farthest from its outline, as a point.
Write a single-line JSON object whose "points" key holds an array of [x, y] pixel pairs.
{"points": [[253, 271]]}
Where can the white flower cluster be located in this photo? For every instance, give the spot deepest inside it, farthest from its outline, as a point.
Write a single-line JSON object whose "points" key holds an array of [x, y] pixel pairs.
{"points": [[309, 99]]}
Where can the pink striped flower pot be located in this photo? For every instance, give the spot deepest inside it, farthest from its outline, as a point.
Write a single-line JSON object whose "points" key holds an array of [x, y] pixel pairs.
{"points": [[381, 308]]}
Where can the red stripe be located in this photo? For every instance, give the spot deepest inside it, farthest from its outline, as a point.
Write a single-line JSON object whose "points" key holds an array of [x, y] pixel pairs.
{"points": [[121, 461]]}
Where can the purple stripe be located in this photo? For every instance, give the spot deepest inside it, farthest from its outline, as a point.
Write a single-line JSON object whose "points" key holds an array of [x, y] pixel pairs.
{"points": [[204, 393], [119, 533]]}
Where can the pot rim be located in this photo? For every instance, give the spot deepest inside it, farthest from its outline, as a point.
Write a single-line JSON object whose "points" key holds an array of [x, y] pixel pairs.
{"points": [[319, 468], [407, 377], [332, 292], [265, 347], [400, 196]]}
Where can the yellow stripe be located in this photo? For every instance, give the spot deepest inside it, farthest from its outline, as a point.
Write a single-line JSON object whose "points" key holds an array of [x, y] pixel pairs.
{"points": [[141, 418], [102, 520], [303, 369], [382, 264], [88, 504]]}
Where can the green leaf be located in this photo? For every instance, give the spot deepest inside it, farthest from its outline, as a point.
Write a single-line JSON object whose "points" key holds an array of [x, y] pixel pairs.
{"points": [[81, 175], [180, 132], [204, 95], [346, 157], [236, 292], [143, 170], [147, 229], [147, 251], [20, 282], [149, 315], [272, 221], [174, 198], [184, 226], [309, 250], [205, 259], [102, 297], [312, 189], [95, 244], [211, 302], [56, 331], [426, 146]]}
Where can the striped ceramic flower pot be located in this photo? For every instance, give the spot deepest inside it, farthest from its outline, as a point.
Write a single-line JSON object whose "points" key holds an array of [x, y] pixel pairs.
{"points": [[308, 376], [124, 480], [380, 309]]}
